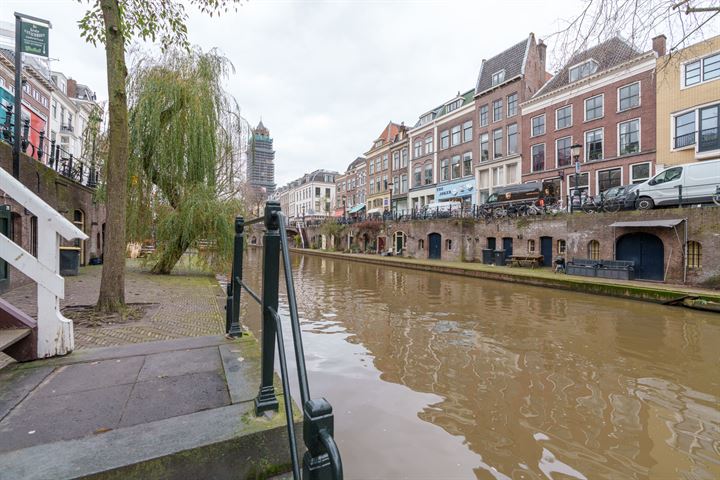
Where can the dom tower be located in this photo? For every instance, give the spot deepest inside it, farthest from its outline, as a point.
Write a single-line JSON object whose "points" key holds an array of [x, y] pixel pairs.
{"points": [[260, 162]]}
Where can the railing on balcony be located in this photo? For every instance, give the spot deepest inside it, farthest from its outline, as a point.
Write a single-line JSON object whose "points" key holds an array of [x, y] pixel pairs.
{"points": [[685, 140], [66, 128], [50, 153], [709, 139], [322, 459]]}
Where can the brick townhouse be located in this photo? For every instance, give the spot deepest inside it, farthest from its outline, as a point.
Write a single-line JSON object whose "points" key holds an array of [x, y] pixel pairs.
{"points": [[350, 188], [504, 82], [379, 169], [422, 166], [399, 161], [603, 100]]}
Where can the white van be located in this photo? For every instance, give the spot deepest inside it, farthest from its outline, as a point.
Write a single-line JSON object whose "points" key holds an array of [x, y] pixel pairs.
{"points": [[699, 182]]}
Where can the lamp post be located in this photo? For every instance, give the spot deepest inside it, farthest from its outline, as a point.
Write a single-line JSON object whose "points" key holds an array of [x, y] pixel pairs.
{"points": [[575, 153], [344, 198], [391, 186]]}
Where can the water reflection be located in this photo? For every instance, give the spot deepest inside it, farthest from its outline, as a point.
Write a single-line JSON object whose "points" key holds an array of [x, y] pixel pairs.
{"points": [[524, 382]]}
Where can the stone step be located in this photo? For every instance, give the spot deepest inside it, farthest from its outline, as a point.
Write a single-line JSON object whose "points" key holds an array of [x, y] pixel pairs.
{"points": [[11, 336]]}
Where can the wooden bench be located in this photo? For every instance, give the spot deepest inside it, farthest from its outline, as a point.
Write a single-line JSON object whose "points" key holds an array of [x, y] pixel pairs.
{"points": [[531, 261]]}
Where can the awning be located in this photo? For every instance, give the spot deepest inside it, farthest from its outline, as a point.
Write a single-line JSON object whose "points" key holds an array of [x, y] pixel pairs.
{"points": [[375, 210], [670, 223], [357, 208]]}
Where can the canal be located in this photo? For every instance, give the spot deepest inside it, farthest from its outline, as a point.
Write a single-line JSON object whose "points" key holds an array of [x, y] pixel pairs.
{"points": [[434, 376]]}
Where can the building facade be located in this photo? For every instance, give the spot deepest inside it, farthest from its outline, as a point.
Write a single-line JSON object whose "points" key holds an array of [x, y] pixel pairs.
{"points": [[261, 162], [504, 82], [312, 196], [603, 100], [350, 188], [380, 170], [688, 104], [422, 144]]}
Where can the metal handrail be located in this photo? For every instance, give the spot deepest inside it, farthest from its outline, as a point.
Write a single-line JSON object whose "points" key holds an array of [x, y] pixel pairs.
{"points": [[322, 459]]}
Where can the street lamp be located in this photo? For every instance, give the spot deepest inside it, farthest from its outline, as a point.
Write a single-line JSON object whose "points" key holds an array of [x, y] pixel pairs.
{"points": [[391, 186], [344, 198], [575, 153]]}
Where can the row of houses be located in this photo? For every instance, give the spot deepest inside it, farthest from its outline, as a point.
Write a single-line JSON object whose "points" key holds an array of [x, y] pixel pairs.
{"points": [[628, 114]]}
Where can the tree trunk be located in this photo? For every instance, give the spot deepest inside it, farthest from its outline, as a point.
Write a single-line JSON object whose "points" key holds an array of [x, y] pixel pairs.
{"points": [[112, 284], [169, 258]]}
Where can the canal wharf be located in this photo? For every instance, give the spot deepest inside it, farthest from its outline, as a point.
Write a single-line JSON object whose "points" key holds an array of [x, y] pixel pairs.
{"points": [[637, 290], [171, 409]]}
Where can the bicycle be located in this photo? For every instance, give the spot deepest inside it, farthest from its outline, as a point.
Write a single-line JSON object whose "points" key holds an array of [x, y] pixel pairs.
{"points": [[716, 197], [593, 204]]}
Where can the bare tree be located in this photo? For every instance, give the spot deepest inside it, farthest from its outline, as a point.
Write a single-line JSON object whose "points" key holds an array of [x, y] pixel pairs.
{"points": [[683, 22]]}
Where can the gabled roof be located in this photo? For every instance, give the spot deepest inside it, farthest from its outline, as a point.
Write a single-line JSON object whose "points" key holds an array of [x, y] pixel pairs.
{"points": [[387, 136], [355, 163], [511, 60], [607, 54]]}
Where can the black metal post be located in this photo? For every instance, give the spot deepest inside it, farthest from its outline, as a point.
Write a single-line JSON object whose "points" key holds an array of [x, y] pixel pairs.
{"points": [[41, 149], [322, 460], [235, 330], [18, 95], [69, 168], [266, 399], [8, 125], [25, 135]]}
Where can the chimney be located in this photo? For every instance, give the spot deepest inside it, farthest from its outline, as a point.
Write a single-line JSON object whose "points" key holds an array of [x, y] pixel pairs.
{"points": [[659, 45], [71, 88], [542, 52]]}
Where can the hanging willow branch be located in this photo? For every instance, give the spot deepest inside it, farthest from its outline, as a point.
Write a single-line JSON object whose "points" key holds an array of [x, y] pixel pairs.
{"points": [[182, 148]]}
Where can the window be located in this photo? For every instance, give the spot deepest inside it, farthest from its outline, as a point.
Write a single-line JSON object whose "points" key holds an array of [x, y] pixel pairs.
{"points": [[455, 135], [511, 173], [537, 152], [428, 174], [444, 140], [702, 70], [455, 167], [629, 135], [483, 115], [396, 160], [512, 134], [421, 244], [428, 145], [425, 119], [497, 110], [639, 172], [497, 176], [593, 108], [454, 105], [694, 254], [561, 247], [562, 149], [385, 182], [484, 147], [583, 70], [538, 125], [563, 117], [377, 165], [448, 244], [709, 134], [609, 178], [404, 155], [580, 182], [377, 184], [498, 77], [667, 175], [417, 149], [417, 176], [372, 167], [467, 164], [531, 246], [467, 131], [594, 145], [684, 130], [594, 250], [444, 170], [497, 143], [403, 183], [628, 96], [512, 102], [385, 161], [317, 191]]}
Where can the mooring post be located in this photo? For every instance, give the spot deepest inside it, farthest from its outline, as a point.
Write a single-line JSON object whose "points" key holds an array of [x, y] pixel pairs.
{"points": [[266, 399], [234, 329], [321, 461]]}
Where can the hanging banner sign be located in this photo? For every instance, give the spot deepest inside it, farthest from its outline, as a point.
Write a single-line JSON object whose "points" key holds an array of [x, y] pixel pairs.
{"points": [[34, 39]]}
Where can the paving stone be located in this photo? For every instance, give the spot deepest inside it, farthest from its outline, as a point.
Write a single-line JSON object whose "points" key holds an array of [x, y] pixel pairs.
{"points": [[90, 376], [42, 419], [15, 384], [172, 364], [172, 396]]}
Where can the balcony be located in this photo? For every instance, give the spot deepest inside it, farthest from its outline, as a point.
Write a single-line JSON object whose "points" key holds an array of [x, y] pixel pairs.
{"points": [[709, 139], [685, 140], [66, 128]]}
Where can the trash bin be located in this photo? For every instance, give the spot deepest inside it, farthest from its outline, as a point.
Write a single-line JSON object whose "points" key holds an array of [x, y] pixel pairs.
{"points": [[69, 261], [488, 256], [500, 257]]}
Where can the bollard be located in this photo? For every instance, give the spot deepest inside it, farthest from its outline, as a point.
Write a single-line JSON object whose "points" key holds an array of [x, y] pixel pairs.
{"points": [[234, 329], [318, 423], [266, 399]]}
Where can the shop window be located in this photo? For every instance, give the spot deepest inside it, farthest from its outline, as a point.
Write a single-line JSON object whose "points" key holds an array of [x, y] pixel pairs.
{"points": [[694, 255], [594, 250]]}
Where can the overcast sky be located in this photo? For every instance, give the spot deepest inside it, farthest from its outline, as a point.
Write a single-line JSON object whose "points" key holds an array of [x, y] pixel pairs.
{"points": [[327, 76]]}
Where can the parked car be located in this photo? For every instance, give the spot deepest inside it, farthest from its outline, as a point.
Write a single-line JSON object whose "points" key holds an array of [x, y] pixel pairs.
{"points": [[624, 195], [690, 183]]}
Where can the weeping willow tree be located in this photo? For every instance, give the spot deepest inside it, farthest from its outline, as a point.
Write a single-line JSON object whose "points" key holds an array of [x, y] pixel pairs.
{"points": [[184, 156]]}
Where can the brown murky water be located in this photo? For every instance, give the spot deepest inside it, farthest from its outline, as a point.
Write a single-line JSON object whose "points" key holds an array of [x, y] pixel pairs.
{"points": [[439, 377]]}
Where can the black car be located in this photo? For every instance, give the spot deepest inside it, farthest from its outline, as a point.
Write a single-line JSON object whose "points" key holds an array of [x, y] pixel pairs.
{"points": [[624, 195]]}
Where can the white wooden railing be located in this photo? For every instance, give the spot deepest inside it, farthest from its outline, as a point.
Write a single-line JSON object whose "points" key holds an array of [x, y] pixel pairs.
{"points": [[54, 331]]}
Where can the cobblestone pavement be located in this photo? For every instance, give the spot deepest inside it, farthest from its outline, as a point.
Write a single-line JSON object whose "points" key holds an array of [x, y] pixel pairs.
{"points": [[185, 304]]}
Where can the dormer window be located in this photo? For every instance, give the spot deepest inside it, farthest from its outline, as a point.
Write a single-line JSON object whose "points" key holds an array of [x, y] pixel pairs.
{"points": [[425, 119], [583, 70], [454, 105], [378, 144], [498, 77]]}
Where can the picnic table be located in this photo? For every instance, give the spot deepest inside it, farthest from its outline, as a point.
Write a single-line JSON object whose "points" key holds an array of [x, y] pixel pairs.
{"points": [[526, 260]]}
